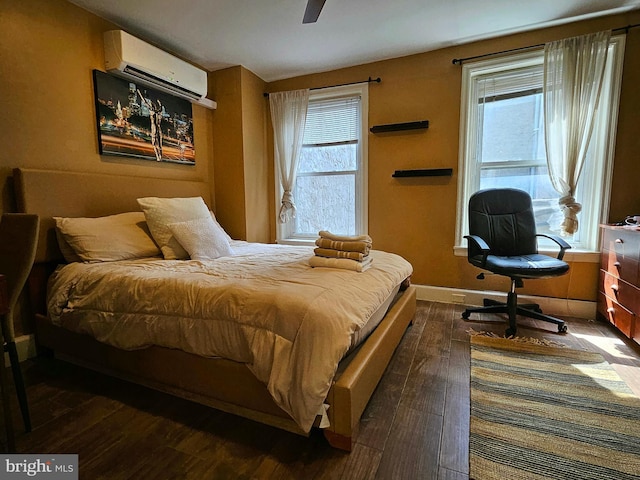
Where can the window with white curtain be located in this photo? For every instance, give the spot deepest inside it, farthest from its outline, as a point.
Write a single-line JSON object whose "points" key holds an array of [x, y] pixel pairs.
{"points": [[502, 141], [330, 189]]}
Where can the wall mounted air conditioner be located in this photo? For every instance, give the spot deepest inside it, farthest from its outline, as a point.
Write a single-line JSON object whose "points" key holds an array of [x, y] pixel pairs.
{"points": [[131, 58]]}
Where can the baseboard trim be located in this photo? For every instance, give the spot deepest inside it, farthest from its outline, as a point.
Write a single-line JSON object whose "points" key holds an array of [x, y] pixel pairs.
{"points": [[26, 347], [563, 307]]}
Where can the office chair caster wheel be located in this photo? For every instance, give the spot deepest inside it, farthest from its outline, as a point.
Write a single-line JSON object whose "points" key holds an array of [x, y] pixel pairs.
{"points": [[510, 332], [562, 329], [466, 314]]}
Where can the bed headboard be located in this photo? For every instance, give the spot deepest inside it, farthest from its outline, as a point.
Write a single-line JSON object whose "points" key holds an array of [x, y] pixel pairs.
{"points": [[50, 193]]}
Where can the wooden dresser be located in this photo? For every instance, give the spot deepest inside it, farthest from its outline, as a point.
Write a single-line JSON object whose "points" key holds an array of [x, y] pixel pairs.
{"points": [[619, 281]]}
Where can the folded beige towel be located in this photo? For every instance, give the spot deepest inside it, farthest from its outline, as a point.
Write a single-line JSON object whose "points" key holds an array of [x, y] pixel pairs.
{"points": [[342, 263], [331, 253], [357, 246], [345, 238]]}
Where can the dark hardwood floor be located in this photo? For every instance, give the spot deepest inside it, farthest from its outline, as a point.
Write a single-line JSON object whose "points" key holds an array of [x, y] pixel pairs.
{"points": [[415, 427]]}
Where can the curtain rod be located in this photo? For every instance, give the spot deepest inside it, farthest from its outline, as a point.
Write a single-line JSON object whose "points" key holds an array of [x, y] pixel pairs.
{"points": [[459, 61], [370, 80]]}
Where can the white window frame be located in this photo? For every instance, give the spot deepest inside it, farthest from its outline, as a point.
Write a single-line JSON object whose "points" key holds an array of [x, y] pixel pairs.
{"points": [[284, 232], [599, 184]]}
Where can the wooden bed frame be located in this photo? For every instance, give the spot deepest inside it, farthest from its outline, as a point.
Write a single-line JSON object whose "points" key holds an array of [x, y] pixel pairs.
{"points": [[223, 384]]}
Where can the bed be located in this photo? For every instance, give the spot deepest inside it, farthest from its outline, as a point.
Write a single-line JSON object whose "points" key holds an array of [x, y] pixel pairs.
{"points": [[227, 375]]}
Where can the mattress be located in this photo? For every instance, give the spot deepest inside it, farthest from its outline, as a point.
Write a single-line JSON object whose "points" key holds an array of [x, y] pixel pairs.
{"points": [[291, 324]]}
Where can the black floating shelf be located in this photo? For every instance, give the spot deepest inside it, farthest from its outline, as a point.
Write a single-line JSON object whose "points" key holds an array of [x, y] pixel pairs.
{"points": [[397, 127], [424, 172]]}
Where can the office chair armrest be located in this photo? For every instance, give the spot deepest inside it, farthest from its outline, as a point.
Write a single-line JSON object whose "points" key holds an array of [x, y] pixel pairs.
{"points": [[479, 244], [561, 243]]}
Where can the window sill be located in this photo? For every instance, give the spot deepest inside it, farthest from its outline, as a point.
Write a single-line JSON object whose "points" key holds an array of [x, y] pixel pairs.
{"points": [[311, 242], [572, 255]]}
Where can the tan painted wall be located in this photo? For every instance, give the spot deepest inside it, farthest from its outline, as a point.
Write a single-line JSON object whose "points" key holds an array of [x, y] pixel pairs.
{"points": [[625, 198], [416, 217], [48, 49], [228, 150], [241, 170], [256, 174]]}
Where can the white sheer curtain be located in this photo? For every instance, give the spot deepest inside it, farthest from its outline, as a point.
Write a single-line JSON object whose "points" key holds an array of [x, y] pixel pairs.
{"points": [[288, 116], [573, 75]]}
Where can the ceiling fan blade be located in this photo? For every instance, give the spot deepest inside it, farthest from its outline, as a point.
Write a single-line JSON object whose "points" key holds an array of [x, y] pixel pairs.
{"points": [[312, 12]]}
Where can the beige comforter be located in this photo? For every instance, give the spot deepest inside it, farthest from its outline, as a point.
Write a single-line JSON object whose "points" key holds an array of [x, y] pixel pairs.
{"points": [[265, 307]]}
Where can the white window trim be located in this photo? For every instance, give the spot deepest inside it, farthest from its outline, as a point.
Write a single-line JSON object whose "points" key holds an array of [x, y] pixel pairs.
{"points": [[284, 234], [466, 182]]}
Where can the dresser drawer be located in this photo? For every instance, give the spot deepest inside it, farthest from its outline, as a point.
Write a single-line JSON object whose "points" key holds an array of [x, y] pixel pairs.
{"points": [[622, 242], [616, 314], [620, 266], [624, 293], [619, 279]]}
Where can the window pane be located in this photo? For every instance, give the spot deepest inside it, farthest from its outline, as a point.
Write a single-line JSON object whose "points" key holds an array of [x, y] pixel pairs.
{"points": [[333, 158], [325, 202], [512, 129]]}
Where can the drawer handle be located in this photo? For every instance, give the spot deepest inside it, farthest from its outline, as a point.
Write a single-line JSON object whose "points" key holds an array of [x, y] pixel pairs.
{"points": [[614, 287], [619, 240], [611, 310], [616, 264]]}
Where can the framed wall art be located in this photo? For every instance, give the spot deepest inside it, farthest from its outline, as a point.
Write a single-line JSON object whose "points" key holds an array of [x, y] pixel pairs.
{"points": [[136, 121]]}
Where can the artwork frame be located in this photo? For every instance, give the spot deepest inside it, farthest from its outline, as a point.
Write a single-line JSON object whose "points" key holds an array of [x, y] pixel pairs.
{"points": [[137, 121]]}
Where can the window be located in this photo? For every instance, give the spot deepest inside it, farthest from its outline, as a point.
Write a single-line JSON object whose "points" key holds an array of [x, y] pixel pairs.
{"points": [[502, 142], [330, 191]]}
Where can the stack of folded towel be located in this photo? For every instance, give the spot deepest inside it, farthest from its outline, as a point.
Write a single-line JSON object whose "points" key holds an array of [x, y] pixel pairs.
{"points": [[342, 251]]}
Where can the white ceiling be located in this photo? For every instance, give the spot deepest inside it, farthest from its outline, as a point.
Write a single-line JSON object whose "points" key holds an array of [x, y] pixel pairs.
{"points": [[268, 37]]}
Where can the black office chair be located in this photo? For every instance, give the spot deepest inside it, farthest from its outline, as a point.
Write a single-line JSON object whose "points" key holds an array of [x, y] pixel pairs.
{"points": [[502, 239]]}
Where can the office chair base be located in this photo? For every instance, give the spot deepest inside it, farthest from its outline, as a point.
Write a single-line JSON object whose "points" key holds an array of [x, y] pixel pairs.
{"points": [[487, 302], [526, 310]]}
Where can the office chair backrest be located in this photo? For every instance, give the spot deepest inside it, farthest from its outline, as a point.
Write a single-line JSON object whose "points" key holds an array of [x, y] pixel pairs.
{"points": [[18, 239], [504, 218]]}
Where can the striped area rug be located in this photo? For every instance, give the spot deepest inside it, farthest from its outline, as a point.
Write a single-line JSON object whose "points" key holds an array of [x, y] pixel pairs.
{"points": [[540, 412]]}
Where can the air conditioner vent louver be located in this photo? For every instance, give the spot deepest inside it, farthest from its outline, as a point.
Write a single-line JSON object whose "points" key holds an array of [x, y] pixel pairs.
{"points": [[134, 72]]}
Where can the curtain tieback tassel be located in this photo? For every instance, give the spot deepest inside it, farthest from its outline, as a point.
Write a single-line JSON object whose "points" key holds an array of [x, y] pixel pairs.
{"points": [[570, 209], [288, 207]]}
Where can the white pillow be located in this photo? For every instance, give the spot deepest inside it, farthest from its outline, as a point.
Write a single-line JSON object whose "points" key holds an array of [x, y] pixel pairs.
{"points": [[160, 212], [106, 239], [202, 238], [213, 215], [68, 253]]}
